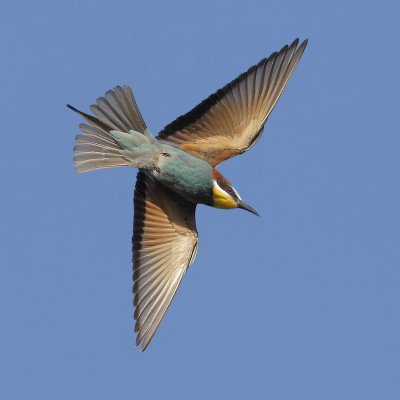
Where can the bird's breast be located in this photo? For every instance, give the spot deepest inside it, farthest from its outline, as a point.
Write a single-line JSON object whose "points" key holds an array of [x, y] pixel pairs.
{"points": [[185, 174]]}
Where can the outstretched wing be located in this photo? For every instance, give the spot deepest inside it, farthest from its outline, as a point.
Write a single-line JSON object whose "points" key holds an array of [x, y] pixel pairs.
{"points": [[164, 245], [231, 120]]}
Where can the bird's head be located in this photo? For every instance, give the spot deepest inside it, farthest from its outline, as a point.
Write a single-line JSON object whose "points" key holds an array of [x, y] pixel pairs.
{"points": [[224, 195]]}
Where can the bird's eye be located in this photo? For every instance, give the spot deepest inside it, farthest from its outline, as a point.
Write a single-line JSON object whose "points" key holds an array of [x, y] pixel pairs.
{"points": [[230, 190]]}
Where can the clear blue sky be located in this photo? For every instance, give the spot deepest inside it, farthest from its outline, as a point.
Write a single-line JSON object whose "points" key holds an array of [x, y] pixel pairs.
{"points": [[302, 303]]}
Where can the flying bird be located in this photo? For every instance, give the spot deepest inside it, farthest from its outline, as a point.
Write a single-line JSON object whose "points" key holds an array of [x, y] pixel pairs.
{"points": [[177, 170]]}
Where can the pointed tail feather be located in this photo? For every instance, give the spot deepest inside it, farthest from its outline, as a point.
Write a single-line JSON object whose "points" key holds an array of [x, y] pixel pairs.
{"points": [[113, 136]]}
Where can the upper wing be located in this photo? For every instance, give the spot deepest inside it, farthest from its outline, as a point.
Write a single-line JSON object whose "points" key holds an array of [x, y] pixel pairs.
{"points": [[164, 245], [231, 120]]}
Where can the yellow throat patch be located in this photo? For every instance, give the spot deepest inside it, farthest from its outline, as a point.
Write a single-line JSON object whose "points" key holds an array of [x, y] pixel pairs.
{"points": [[221, 199]]}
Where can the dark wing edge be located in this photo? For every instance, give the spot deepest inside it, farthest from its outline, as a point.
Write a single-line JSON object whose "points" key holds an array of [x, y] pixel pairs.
{"points": [[273, 72]]}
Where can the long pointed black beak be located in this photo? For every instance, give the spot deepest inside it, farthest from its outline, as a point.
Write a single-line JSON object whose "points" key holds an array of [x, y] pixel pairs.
{"points": [[242, 204]]}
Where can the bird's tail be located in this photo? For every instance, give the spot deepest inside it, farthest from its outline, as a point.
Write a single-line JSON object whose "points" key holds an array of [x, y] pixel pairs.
{"points": [[116, 136]]}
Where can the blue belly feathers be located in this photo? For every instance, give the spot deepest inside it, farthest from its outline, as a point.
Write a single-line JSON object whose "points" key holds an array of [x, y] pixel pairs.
{"points": [[186, 175]]}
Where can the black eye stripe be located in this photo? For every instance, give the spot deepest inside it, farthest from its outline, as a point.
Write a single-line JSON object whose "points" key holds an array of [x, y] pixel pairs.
{"points": [[223, 186], [227, 188]]}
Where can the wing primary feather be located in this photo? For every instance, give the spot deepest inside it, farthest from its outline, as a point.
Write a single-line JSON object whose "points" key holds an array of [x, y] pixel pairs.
{"points": [[151, 292], [160, 261], [295, 60], [159, 315], [231, 120]]}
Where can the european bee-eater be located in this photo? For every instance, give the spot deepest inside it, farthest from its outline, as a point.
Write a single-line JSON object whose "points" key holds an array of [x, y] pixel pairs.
{"points": [[177, 170]]}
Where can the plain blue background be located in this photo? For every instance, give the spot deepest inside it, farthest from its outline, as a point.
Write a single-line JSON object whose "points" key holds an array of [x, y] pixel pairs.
{"points": [[302, 303]]}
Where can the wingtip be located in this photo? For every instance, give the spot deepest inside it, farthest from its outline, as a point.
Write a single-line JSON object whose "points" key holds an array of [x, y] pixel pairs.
{"points": [[141, 344], [304, 43], [294, 45], [144, 347], [284, 49], [296, 42]]}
